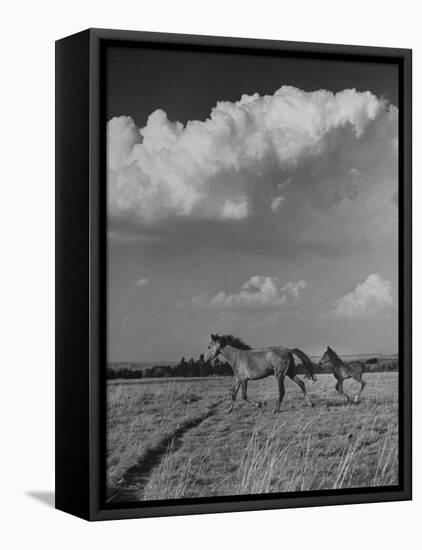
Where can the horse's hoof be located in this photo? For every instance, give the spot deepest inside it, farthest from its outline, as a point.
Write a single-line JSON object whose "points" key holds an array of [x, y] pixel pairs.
{"points": [[356, 399], [229, 411]]}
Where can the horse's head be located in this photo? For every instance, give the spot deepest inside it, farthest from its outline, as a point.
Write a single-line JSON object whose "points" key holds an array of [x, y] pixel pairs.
{"points": [[213, 348], [327, 357]]}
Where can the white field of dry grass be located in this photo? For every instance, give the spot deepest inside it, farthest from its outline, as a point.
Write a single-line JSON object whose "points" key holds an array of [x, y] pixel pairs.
{"points": [[172, 438]]}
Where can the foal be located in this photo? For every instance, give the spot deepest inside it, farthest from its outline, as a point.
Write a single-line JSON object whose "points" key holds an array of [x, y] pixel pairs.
{"points": [[342, 371]]}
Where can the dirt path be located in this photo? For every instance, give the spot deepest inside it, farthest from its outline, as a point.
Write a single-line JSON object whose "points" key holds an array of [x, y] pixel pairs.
{"points": [[131, 488]]}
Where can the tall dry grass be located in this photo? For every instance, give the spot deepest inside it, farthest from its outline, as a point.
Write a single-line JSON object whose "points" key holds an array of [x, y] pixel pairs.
{"points": [[332, 446], [140, 416], [266, 460]]}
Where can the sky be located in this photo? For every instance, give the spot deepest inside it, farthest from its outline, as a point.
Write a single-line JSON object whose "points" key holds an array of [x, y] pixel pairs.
{"points": [[251, 195]]}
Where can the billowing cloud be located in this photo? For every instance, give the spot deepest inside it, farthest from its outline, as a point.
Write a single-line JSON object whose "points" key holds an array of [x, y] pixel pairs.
{"points": [[259, 292], [218, 168], [369, 299], [143, 281]]}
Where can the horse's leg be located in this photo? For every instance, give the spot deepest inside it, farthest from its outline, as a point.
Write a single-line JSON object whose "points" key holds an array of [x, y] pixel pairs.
{"points": [[281, 391], [236, 386], [245, 397], [302, 386], [339, 388], [362, 385]]}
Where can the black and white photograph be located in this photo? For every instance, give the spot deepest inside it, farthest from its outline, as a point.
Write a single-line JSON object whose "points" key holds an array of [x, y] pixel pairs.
{"points": [[210, 237], [252, 274]]}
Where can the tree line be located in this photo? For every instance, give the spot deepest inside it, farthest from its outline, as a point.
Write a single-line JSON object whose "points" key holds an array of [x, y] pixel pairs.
{"points": [[198, 368], [191, 368]]}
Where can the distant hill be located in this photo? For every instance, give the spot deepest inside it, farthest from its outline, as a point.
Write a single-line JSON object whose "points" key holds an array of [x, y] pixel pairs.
{"points": [[363, 357], [140, 365]]}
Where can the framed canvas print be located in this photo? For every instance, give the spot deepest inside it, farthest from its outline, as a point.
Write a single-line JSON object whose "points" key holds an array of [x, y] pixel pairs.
{"points": [[233, 274]]}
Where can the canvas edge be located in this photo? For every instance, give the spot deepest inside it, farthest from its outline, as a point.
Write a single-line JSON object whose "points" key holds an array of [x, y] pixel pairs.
{"points": [[97, 312]]}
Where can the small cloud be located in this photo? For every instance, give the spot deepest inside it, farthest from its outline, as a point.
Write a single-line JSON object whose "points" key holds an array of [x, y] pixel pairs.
{"points": [[276, 203], [293, 289], [259, 292], [368, 299], [284, 184], [234, 210], [141, 282], [354, 172]]}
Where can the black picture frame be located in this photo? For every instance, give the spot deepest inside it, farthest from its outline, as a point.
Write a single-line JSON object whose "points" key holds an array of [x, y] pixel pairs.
{"points": [[81, 274]]}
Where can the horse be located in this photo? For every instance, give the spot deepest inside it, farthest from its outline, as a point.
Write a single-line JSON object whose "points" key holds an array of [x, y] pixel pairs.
{"points": [[255, 364], [343, 371]]}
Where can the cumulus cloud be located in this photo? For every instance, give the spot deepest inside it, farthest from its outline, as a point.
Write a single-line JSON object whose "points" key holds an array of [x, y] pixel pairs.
{"points": [[276, 203], [143, 281], [369, 299], [234, 210], [354, 172], [215, 169], [259, 292]]}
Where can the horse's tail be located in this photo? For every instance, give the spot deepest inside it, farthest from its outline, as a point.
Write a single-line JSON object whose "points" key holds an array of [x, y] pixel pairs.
{"points": [[306, 362]]}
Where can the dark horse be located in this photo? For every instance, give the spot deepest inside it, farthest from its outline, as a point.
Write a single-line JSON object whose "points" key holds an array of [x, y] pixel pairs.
{"points": [[342, 371], [254, 364]]}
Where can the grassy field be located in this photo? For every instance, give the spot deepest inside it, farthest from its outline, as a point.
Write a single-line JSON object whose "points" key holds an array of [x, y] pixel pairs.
{"points": [[172, 438]]}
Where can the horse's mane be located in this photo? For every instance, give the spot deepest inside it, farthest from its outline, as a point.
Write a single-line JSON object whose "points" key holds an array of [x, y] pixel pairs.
{"points": [[230, 340]]}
